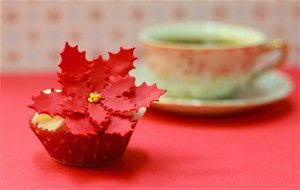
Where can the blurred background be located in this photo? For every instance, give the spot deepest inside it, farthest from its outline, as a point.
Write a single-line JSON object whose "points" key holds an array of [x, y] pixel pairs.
{"points": [[33, 33]]}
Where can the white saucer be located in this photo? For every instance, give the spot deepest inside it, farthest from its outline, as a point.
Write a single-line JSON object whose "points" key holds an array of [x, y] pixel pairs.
{"points": [[270, 88]]}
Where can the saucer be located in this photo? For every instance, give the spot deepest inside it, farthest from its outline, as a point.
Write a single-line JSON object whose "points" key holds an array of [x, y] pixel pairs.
{"points": [[267, 89]]}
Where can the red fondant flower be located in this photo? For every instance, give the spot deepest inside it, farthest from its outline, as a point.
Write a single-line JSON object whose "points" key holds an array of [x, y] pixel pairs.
{"points": [[96, 94]]}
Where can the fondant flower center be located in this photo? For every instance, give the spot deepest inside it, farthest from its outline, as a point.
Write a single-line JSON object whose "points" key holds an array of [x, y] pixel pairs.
{"points": [[94, 97]]}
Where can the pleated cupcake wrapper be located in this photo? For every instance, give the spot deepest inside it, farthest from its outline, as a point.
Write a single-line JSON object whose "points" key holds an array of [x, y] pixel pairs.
{"points": [[78, 150]]}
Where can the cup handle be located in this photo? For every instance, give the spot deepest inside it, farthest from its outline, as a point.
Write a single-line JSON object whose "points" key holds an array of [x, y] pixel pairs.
{"points": [[273, 46]]}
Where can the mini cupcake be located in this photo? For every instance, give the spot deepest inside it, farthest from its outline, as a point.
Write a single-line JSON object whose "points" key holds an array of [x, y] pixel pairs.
{"points": [[90, 120]]}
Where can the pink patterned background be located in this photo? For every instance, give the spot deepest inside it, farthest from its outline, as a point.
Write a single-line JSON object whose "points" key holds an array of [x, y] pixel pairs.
{"points": [[33, 33]]}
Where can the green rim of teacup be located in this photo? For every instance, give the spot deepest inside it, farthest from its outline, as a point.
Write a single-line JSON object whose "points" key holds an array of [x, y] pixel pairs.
{"points": [[192, 35]]}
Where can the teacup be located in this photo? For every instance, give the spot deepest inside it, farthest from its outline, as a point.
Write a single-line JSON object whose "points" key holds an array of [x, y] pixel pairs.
{"points": [[207, 60]]}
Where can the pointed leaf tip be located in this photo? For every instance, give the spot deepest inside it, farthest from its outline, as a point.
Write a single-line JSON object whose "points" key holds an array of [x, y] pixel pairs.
{"points": [[122, 62], [72, 85], [144, 95], [73, 62], [97, 74], [119, 125], [120, 105], [97, 114], [48, 103], [119, 86], [80, 126]]}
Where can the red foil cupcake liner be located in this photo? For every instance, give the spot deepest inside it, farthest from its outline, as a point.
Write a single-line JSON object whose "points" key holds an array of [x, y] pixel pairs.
{"points": [[79, 150]]}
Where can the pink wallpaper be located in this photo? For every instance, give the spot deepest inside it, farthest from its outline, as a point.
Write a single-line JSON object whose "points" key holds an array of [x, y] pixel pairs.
{"points": [[33, 33]]}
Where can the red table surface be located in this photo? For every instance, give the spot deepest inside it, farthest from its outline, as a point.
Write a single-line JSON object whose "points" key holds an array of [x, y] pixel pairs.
{"points": [[255, 150]]}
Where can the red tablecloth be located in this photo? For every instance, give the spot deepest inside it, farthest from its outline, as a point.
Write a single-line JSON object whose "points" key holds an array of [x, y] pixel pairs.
{"points": [[257, 150]]}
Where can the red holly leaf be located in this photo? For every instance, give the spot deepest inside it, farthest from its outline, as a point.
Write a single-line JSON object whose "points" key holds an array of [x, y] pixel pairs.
{"points": [[73, 86], [50, 104], [119, 125], [122, 62], [118, 104], [80, 125], [73, 62], [75, 104], [145, 94], [97, 113], [97, 74], [119, 86]]}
